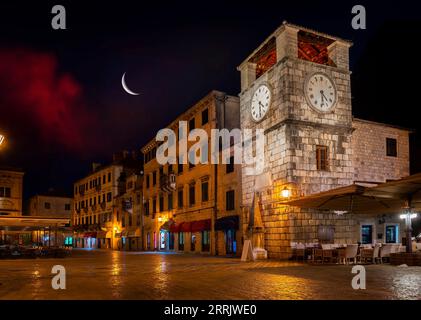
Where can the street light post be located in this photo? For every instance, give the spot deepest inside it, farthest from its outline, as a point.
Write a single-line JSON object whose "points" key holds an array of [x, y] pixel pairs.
{"points": [[408, 216]]}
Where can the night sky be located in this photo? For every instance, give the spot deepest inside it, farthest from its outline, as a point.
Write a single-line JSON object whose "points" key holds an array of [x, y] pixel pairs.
{"points": [[62, 105]]}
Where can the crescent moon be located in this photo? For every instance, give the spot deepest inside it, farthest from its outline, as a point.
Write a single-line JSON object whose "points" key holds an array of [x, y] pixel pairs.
{"points": [[123, 83]]}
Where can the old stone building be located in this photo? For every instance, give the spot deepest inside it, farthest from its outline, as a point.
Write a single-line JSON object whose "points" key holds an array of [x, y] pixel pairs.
{"points": [[95, 220], [129, 217], [296, 87], [51, 204], [195, 208], [11, 189]]}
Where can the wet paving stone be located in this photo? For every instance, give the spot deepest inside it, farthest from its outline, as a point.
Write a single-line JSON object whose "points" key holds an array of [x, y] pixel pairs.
{"points": [[133, 275]]}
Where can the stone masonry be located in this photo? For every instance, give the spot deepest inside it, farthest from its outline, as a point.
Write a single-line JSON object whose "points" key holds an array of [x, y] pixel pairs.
{"points": [[293, 130]]}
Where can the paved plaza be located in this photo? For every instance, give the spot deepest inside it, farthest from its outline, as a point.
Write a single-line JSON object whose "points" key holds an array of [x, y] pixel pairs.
{"points": [[135, 275]]}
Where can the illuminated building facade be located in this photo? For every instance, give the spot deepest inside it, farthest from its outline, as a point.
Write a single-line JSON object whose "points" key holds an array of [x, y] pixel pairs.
{"points": [[11, 188], [95, 220], [313, 143], [195, 208]]}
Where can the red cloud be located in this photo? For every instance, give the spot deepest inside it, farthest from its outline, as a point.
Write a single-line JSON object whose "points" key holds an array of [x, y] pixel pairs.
{"points": [[34, 89]]}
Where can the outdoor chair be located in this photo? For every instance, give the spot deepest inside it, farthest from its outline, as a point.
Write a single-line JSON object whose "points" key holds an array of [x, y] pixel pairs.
{"points": [[385, 252], [371, 255], [317, 255], [350, 253]]}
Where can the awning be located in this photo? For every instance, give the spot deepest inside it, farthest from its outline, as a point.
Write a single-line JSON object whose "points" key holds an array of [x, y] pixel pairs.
{"points": [[185, 227], [387, 197], [225, 223], [90, 235], [201, 225], [174, 228], [167, 225]]}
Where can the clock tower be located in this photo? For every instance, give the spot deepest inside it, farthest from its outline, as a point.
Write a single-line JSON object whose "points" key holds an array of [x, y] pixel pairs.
{"points": [[296, 87]]}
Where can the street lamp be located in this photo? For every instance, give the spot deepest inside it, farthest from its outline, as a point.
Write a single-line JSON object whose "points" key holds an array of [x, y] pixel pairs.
{"points": [[285, 192], [408, 216], [2, 138]]}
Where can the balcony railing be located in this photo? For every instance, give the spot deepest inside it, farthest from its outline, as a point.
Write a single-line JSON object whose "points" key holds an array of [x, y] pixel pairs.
{"points": [[167, 182]]}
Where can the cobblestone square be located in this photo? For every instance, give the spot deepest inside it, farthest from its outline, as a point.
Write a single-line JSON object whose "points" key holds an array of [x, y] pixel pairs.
{"points": [[99, 274]]}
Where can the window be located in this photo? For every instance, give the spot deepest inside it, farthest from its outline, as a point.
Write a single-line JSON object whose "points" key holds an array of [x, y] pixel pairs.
{"points": [[103, 197], [391, 147], [130, 220], [161, 203], [154, 205], [103, 179], [47, 205], [367, 234], [192, 195], [326, 234], [230, 200], [5, 192], [161, 171], [154, 178], [146, 208], [181, 241], [109, 176], [321, 158], [75, 190], [170, 205], [192, 124], [109, 197], [180, 168], [230, 165], [392, 234], [147, 181], [180, 198], [205, 116], [205, 191], [67, 206], [170, 168]]}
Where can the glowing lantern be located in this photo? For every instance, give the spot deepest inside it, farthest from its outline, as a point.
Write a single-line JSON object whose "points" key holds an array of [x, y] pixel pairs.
{"points": [[285, 192]]}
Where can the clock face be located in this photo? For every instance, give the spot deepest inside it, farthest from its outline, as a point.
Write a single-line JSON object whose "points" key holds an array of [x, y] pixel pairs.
{"points": [[320, 92], [260, 102]]}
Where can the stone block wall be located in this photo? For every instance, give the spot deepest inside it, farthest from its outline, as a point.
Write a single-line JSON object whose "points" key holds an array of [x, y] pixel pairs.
{"points": [[370, 162]]}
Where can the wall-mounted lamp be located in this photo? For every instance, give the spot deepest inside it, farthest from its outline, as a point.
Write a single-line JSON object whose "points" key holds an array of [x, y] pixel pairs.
{"points": [[1, 139], [412, 216], [285, 192]]}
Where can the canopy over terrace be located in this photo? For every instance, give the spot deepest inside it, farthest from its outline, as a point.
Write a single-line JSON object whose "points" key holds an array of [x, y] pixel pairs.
{"points": [[387, 197], [27, 224], [399, 196]]}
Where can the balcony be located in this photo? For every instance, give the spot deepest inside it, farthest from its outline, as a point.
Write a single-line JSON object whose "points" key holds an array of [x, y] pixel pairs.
{"points": [[167, 182]]}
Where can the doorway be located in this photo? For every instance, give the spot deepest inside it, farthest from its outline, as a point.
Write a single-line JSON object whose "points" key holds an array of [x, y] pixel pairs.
{"points": [[163, 240], [231, 243]]}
